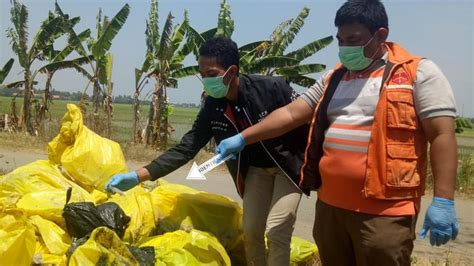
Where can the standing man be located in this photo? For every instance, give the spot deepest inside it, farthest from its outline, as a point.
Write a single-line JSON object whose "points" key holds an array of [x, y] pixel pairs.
{"points": [[268, 171], [372, 118]]}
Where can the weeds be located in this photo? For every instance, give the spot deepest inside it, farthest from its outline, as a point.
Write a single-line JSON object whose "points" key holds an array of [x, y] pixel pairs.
{"points": [[465, 173], [448, 258], [21, 141], [464, 179], [3, 171]]}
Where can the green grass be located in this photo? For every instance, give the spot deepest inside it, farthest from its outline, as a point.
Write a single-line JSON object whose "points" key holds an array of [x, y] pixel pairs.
{"points": [[467, 133], [181, 119]]}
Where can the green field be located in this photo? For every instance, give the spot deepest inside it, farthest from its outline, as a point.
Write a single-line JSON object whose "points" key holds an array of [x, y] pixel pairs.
{"points": [[468, 133], [181, 119]]}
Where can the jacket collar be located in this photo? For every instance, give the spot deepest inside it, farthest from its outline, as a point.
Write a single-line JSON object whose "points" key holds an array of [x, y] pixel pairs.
{"points": [[397, 54]]}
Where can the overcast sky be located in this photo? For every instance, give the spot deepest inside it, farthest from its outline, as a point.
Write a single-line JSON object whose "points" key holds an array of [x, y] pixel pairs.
{"points": [[440, 30]]}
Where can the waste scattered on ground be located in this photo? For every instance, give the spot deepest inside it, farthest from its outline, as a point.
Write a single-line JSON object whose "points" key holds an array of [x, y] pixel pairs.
{"points": [[55, 212]]}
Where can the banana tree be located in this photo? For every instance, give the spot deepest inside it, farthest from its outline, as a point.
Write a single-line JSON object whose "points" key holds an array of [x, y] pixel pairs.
{"points": [[6, 69], [253, 56], [102, 63], [141, 75], [99, 60], [4, 73], [164, 64], [268, 57], [18, 36], [141, 79], [281, 38], [57, 61], [12, 85]]}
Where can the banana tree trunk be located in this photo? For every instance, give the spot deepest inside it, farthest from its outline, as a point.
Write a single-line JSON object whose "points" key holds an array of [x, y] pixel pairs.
{"points": [[96, 125], [96, 97], [164, 126], [153, 125], [156, 123], [136, 117], [109, 109], [14, 115], [149, 123], [28, 94], [84, 99], [44, 108]]}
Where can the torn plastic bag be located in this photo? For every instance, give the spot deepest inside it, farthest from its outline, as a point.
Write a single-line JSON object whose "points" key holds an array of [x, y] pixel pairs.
{"points": [[187, 248], [83, 217], [103, 247], [88, 158]]}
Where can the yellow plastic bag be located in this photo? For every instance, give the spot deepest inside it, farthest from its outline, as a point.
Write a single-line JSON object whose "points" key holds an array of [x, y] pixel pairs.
{"points": [[42, 256], [56, 239], [103, 247], [187, 248], [48, 204], [17, 244], [137, 204], [12, 219], [302, 252], [37, 176], [203, 211], [99, 196], [87, 157]]}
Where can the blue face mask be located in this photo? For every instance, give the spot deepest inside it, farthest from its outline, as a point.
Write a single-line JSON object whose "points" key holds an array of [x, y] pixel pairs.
{"points": [[215, 87]]}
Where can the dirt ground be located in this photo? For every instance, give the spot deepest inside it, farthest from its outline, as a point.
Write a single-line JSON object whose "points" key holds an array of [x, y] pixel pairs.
{"points": [[458, 252]]}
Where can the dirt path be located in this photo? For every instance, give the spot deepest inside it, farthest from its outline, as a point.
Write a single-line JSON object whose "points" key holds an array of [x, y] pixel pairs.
{"points": [[458, 252]]}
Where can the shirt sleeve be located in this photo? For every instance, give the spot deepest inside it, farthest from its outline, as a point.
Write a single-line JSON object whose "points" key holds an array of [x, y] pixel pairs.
{"points": [[189, 146], [433, 94], [315, 92]]}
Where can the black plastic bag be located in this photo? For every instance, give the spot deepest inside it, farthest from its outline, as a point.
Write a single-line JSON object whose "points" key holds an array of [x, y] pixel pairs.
{"points": [[83, 217], [114, 217]]}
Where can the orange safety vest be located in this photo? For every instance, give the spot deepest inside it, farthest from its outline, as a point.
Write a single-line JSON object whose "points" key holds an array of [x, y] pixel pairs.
{"points": [[397, 152]]}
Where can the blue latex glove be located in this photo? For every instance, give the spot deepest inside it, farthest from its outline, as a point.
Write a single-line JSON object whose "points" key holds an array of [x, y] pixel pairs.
{"points": [[123, 182], [232, 145], [441, 221]]}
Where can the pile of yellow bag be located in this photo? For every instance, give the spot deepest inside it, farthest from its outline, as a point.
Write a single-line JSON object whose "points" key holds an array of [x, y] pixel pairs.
{"points": [[182, 226]]}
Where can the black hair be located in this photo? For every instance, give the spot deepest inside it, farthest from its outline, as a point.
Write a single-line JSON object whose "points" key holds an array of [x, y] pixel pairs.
{"points": [[370, 13], [224, 50]]}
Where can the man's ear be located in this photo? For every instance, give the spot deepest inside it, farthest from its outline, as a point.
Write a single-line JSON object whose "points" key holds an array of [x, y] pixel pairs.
{"points": [[382, 35], [234, 70]]}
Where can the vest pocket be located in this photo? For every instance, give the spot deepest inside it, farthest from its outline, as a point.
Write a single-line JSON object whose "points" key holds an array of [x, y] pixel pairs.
{"points": [[401, 166], [400, 109]]}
